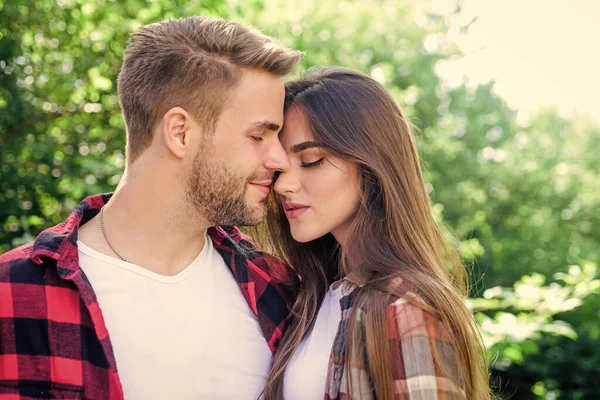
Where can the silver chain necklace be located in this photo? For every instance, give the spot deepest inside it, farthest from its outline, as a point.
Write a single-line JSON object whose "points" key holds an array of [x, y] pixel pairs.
{"points": [[106, 236]]}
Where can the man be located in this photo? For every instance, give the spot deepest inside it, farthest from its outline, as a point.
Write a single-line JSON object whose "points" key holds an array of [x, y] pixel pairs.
{"points": [[154, 294]]}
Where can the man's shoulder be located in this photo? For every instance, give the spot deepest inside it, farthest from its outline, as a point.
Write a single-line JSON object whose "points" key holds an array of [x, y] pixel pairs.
{"points": [[244, 245], [18, 253], [29, 263], [26, 284], [16, 260]]}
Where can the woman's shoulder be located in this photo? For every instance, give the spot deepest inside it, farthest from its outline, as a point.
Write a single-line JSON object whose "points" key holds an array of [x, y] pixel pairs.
{"points": [[410, 313], [404, 301], [411, 319]]}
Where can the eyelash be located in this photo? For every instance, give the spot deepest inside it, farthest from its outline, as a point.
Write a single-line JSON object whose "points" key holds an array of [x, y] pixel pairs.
{"points": [[256, 138], [312, 164]]}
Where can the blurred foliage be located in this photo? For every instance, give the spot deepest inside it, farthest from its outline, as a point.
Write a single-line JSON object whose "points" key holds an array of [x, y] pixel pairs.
{"points": [[522, 325], [533, 307], [519, 191]]}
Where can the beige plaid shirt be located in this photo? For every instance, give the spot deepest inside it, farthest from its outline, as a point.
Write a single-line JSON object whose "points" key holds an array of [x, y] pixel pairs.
{"points": [[416, 338]]}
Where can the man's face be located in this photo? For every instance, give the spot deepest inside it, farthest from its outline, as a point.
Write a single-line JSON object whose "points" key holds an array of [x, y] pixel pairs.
{"points": [[232, 174]]}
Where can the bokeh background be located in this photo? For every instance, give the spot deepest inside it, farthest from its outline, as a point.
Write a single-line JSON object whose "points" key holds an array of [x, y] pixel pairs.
{"points": [[502, 96]]}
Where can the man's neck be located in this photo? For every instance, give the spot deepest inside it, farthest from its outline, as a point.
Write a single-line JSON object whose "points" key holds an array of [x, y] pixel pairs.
{"points": [[149, 225]]}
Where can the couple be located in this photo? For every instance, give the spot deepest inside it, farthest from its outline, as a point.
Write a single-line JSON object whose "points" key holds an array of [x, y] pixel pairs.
{"points": [[153, 293]]}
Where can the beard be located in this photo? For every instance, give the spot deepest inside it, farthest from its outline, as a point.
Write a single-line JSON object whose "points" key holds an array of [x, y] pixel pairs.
{"points": [[219, 194]]}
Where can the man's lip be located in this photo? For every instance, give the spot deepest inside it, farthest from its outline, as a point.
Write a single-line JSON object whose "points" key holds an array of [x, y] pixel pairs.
{"points": [[263, 187], [263, 183]]}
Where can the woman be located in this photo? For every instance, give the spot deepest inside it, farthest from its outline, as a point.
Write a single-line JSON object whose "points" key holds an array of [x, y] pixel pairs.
{"points": [[379, 310]]}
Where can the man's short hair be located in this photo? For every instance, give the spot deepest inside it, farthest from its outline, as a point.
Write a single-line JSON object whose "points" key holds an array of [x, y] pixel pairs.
{"points": [[193, 63]]}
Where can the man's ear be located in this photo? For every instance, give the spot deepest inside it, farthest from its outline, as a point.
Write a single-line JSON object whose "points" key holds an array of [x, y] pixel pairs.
{"points": [[175, 131]]}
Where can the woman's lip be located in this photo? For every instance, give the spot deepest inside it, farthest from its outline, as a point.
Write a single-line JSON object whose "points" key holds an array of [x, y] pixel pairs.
{"points": [[289, 205], [291, 213]]}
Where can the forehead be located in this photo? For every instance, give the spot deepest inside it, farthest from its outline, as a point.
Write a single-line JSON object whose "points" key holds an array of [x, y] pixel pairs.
{"points": [[296, 128], [258, 97]]}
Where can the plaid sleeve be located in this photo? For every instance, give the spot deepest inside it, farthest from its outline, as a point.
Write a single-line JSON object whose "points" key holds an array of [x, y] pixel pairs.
{"points": [[424, 362]]}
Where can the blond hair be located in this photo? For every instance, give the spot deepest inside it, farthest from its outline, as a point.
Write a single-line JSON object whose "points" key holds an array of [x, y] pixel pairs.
{"points": [[193, 63]]}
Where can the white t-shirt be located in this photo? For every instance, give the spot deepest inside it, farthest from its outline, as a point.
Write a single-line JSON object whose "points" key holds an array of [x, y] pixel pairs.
{"points": [[306, 373], [187, 336]]}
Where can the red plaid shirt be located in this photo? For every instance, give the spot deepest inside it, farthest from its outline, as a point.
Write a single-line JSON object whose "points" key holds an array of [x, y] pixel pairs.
{"points": [[53, 340]]}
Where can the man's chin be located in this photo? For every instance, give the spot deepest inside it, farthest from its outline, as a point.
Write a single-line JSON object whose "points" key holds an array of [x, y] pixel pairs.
{"points": [[256, 213]]}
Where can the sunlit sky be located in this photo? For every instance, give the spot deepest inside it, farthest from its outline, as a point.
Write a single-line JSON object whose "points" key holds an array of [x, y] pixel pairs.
{"points": [[539, 52]]}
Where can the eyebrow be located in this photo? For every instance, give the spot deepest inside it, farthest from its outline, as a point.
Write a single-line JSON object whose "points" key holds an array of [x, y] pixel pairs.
{"points": [[262, 125], [297, 148]]}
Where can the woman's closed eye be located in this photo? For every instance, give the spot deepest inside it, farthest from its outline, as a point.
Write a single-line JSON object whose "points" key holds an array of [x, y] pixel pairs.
{"points": [[312, 164]]}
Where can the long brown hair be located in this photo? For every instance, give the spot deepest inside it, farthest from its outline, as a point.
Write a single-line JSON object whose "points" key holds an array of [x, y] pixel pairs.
{"points": [[393, 233]]}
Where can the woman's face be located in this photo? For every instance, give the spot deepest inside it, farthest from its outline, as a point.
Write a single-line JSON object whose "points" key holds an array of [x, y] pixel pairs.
{"points": [[319, 193]]}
